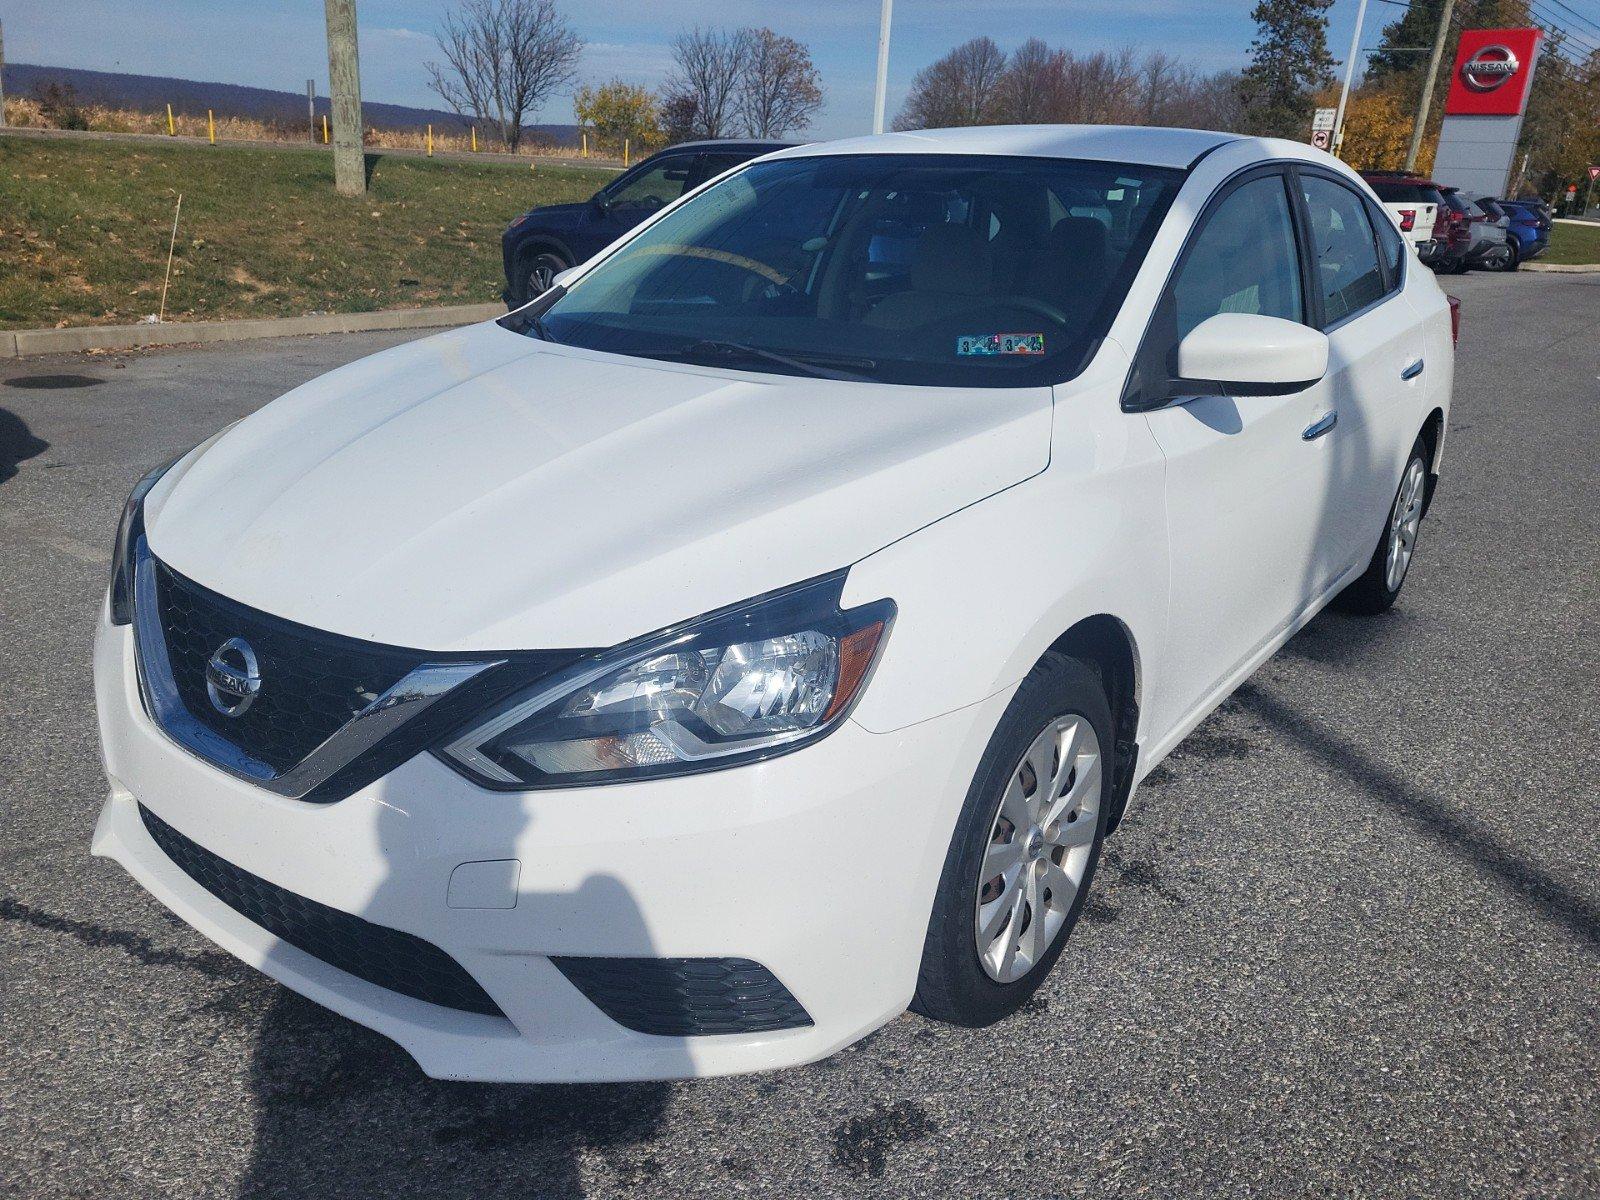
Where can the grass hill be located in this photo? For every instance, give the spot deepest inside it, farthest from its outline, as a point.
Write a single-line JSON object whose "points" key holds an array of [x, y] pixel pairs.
{"points": [[152, 93], [85, 224]]}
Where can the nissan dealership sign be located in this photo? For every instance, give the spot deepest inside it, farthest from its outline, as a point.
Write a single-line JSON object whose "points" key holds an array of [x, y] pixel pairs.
{"points": [[1493, 69], [1489, 90]]}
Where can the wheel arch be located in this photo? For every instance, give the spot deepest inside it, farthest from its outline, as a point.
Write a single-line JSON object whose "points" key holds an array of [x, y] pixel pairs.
{"points": [[1107, 646], [1432, 435]]}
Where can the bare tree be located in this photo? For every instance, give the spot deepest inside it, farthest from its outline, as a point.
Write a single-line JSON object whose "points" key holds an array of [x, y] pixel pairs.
{"points": [[1031, 88], [1100, 88], [778, 86], [504, 58], [962, 88], [708, 65]]}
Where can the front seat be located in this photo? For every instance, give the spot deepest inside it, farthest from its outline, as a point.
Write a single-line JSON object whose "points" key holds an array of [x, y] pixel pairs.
{"points": [[952, 267], [1071, 273]]}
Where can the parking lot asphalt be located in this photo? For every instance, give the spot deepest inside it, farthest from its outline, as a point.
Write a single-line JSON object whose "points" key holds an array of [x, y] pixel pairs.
{"points": [[1348, 944]]}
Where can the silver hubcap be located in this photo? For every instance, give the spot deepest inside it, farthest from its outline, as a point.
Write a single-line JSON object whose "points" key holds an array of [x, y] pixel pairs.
{"points": [[1038, 848], [1403, 524]]}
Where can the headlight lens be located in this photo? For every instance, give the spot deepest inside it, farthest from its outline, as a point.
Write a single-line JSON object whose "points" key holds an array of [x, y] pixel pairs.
{"points": [[761, 679], [129, 526]]}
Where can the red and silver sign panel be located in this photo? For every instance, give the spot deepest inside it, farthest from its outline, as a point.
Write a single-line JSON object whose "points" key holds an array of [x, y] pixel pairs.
{"points": [[1492, 72]]}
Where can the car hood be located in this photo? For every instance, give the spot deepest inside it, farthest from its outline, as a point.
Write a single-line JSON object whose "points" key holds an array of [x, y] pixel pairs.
{"points": [[483, 490], [559, 214]]}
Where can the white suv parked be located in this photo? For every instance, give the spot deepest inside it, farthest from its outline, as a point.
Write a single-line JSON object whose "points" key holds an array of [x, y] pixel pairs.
{"points": [[761, 631]]}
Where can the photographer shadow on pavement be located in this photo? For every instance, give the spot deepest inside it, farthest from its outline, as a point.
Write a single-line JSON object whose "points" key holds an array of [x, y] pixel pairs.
{"points": [[342, 1111], [17, 443]]}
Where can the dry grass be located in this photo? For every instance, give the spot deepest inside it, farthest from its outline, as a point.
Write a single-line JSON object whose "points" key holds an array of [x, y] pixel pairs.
{"points": [[84, 226], [25, 112]]}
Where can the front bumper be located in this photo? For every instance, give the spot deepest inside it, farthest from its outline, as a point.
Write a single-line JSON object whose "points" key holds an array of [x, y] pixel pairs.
{"points": [[821, 866]]}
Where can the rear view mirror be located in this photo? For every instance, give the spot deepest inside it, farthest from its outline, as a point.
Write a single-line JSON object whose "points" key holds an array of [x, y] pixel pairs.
{"points": [[1244, 354]]}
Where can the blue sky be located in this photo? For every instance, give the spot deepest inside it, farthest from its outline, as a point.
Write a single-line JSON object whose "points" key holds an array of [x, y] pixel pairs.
{"points": [[280, 43]]}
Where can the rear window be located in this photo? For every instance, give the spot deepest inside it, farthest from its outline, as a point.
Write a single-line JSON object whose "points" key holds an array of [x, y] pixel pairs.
{"points": [[1391, 192]]}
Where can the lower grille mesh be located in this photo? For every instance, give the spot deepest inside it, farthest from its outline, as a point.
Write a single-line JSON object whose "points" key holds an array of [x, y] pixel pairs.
{"points": [[390, 958], [683, 997]]}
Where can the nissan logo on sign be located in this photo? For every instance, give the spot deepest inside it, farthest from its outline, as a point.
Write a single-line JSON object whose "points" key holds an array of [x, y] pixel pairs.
{"points": [[1488, 69]]}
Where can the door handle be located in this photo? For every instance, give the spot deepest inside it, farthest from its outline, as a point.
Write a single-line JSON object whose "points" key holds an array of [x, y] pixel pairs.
{"points": [[1320, 426], [1413, 370]]}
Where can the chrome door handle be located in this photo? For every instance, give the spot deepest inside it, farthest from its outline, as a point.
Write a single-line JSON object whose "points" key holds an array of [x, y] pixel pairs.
{"points": [[1413, 370], [1320, 426]]}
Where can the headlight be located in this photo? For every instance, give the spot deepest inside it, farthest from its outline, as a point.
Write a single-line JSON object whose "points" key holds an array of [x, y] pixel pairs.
{"points": [[129, 527], [761, 679]]}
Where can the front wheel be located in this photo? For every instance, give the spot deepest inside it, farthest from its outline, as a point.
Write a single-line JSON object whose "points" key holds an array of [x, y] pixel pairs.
{"points": [[1024, 851], [1378, 587], [542, 269]]}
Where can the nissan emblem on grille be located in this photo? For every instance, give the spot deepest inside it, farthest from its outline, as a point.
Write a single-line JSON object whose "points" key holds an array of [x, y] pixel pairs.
{"points": [[233, 677]]}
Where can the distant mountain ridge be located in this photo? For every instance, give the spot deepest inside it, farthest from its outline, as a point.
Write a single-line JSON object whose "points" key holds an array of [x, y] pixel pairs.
{"points": [[152, 93]]}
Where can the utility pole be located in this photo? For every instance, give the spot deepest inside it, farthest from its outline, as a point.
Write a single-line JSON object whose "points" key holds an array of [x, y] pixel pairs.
{"points": [[1421, 123], [1349, 74], [344, 87], [2, 74], [311, 109], [880, 97]]}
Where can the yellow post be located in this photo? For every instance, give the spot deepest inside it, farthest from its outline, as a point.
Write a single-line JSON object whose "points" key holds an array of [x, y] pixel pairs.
{"points": [[624, 151], [324, 129], [474, 139], [211, 127], [586, 145], [171, 129], [430, 141]]}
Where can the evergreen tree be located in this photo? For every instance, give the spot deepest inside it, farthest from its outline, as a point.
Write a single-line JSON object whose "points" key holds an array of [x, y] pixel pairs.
{"points": [[1289, 61]]}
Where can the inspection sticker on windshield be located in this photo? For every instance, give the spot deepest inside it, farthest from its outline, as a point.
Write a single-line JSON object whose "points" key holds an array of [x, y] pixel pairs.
{"points": [[1000, 343]]}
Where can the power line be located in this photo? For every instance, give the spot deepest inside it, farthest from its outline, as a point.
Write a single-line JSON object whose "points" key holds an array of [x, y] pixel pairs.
{"points": [[1568, 8]]}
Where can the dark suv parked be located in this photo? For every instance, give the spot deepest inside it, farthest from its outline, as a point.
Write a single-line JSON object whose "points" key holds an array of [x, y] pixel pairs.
{"points": [[546, 240]]}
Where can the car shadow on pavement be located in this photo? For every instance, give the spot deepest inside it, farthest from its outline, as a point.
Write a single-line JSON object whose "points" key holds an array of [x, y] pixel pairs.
{"points": [[17, 443], [342, 1111], [1476, 848]]}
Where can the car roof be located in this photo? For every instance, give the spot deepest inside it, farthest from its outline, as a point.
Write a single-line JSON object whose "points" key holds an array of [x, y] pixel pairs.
{"points": [[1150, 145], [757, 145]]}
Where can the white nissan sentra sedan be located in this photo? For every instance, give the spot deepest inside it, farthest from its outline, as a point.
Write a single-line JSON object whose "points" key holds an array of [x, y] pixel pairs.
{"points": [[760, 632]]}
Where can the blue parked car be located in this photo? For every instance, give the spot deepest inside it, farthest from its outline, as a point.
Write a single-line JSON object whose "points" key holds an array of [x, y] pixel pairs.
{"points": [[1529, 230], [544, 241]]}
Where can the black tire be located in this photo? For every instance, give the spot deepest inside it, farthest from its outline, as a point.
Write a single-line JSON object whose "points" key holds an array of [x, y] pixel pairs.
{"points": [[537, 270], [1371, 594], [952, 985], [1516, 257]]}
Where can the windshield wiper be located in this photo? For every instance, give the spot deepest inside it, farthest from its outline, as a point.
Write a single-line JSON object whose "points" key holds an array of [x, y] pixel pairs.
{"points": [[809, 365]]}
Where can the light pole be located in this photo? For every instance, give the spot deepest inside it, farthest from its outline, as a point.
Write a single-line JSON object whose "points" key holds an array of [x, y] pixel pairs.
{"points": [[1349, 74], [881, 96], [1420, 124]]}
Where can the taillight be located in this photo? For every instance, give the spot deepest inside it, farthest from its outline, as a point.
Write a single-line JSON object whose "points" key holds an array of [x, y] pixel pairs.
{"points": [[1455, 320], [1408, 219]]}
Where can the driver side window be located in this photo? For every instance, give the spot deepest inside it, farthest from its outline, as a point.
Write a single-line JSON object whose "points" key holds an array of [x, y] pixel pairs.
{"points": [[654, 187], [1242, 261]]}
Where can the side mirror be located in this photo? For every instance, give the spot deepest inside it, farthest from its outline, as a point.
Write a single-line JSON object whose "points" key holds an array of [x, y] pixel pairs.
{"points": [[1243, 354], [560, 278], [601, 204]]}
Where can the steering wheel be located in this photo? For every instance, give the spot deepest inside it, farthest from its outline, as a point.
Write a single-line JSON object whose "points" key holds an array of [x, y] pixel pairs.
{"points": [[1043, 307]]}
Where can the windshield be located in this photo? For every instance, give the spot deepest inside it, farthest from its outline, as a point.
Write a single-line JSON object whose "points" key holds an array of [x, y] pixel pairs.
{"points": [[938, 270]]}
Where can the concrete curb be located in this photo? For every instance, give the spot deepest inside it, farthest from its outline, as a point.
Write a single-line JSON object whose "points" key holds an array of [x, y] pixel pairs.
{"points": [[1571, 268], [20, 343]]}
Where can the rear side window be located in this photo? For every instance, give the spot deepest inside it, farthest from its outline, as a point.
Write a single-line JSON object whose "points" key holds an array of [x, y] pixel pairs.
{"points": [[1242, 261], [1390, 245], [1344, 249]]}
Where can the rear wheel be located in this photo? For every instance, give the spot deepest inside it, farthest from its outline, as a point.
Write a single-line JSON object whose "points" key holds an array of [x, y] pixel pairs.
{"points": [[1379, 585], [1024, 851]]}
